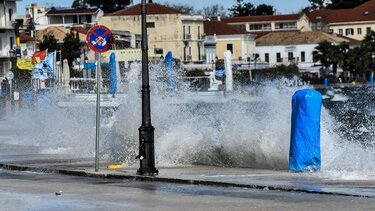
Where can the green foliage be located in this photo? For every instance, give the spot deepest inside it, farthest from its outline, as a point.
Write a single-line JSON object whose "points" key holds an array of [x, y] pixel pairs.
{"points": [[80, 4], [242, 8], [71, 48], [356, 60], [278, 72], [182, 7], [106, 5], [214, 11], [264, 9], [344, 4], [334, 4], [49, 42]]}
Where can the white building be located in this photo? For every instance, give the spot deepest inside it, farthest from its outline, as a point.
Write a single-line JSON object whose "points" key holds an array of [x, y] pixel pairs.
{"points": [[38, 13], [8, 16], [278, 48], [73, 17]]}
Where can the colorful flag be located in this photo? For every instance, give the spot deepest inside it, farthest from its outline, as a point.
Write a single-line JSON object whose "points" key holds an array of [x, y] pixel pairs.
{"points": [[39, 56], [25, 64]]}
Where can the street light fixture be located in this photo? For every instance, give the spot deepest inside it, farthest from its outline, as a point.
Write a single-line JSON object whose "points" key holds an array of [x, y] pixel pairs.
{"points": [[146, 130]]}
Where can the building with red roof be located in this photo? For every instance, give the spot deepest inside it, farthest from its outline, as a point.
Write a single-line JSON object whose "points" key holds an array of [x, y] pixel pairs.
{"points": [[221, 37], [267, 23], [168, 30], [354, 23]]}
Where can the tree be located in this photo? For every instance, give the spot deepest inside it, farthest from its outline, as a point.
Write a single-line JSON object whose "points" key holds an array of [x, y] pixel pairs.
{"points": [[344, 4], [264, 9], [71, 48], [334, 4], [368, 46], [49, 42], [329, 54], [185, 8], [214, 11], [242, 9], [80, 4], [318, 4], [106, 5], [322, 53]]}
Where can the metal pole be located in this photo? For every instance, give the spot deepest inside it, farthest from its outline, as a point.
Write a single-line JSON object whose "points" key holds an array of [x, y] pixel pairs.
{"points": [[97, 114], [146, 131]]}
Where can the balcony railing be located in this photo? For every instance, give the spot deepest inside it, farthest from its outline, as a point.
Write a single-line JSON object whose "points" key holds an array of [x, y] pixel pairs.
{"points": [[187, 37]]}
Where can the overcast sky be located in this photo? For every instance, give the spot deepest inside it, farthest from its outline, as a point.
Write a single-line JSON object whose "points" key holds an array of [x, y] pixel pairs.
{"points": [[282, 6]]}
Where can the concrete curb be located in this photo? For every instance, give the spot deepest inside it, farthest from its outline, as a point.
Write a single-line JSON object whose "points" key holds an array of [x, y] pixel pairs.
{"points": [[83, 173]]}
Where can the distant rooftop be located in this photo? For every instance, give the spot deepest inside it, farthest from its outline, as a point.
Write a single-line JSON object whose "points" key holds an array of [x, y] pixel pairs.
{"points": [[297, 37], [71, 11], [263, 18], [152, 9], [363, 12], [220, 28]]}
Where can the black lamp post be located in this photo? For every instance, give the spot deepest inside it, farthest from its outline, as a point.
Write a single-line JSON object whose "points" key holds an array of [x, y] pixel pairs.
{"points": [[146, 131]]}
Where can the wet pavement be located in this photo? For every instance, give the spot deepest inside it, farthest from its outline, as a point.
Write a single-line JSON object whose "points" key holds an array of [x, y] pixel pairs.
{"points": [[16, 157]]}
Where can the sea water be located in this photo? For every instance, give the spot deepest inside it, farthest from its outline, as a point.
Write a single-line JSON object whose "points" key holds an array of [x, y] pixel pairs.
{"points": [[248, 127]]}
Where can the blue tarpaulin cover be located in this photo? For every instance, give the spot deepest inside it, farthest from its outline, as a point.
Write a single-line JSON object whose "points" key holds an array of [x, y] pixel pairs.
{"points": [[113, 76], [304, 154], [169, 67]]}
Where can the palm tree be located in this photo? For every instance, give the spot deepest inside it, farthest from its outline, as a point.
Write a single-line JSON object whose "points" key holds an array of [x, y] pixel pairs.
{"points": [[331, 54], [80, 4], [322, 53], [369, 46]]}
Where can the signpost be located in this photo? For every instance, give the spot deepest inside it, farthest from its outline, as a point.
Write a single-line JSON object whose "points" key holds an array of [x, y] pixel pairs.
{"points": [[99, 39]]}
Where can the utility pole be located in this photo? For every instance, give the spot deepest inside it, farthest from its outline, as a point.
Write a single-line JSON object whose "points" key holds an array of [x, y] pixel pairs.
{"points": [[146, 131]]}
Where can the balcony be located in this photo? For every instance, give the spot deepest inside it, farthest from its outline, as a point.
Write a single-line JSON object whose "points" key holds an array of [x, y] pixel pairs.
{"points": [[201, 37], [187, 36]]}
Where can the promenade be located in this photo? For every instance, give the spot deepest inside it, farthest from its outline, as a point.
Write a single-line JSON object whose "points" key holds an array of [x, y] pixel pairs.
{"points": [[24, 158]]}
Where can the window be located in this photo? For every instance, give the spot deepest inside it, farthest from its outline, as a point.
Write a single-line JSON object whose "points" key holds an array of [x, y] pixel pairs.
{"points": [[158, 51], [75, 19], [88, 18], [278, 57], [150, 24], [286, 25], [267, 57], [359, 30], [260, 27], [199, 53], [290, 56], [349, 31], [184, 31], [11, 42], [242, 27], [230, 48], [199, 32], [341, 32], [303, 59], [10, 14], [368, 30]]}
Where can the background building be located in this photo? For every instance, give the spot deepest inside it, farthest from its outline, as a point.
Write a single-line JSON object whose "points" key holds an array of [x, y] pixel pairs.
{"points": [[8, 17], [268, 23], [355, 23], [227, 37], [292, 47], [168, 30]]}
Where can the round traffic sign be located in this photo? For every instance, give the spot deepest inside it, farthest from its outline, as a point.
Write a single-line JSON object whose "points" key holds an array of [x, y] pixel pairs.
{"points": [[99, 38], [10, 75]]}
